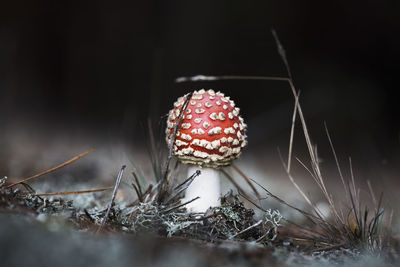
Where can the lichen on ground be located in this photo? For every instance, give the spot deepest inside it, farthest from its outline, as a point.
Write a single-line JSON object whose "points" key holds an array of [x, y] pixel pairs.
{"points": [[231, 226], [228, 221]]}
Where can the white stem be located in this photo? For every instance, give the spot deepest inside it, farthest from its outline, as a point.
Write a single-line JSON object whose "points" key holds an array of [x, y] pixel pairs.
{"points": [[206, 186]]}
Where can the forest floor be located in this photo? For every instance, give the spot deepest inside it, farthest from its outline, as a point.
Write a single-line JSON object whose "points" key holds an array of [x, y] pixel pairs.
{"points": [[55, 231]]}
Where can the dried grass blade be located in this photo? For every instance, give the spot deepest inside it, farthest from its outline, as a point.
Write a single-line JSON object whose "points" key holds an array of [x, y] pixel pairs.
{"points": [[371, 192], [166, 210], [182, 187], [309, 216], [114, 193], [139, 195], [295, 184], [155, 161], [354, 209], [238, 187], [53, 169], [189, 180], [202, 78], [289, 164], [74, 192], [353, 183], [336, 159], [164, 179], [139, 187], [244, 176], [252, 202]]}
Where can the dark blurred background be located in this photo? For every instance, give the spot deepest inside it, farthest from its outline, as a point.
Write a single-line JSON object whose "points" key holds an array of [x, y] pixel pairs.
{"points": [[97, 70]]}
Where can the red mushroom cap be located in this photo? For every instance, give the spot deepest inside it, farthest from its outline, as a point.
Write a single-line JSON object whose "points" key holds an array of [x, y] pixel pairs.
{"points": [[211, 132]]}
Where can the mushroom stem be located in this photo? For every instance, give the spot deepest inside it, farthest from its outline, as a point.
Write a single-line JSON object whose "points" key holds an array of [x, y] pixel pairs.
{"points": [[206, 186]]}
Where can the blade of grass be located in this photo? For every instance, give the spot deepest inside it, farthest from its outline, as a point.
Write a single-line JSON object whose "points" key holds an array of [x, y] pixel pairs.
{"points": [[200, 77], [336, 159], [155, 160], [371, 192], [182, 187], [114, 193], [139, 195], [164, 180], [169, 209], [238, 187], [74, 192], [189, 180], [292, 132], [294, 183], [252, 202], [53, 169], [310, 216], [247, 180]]}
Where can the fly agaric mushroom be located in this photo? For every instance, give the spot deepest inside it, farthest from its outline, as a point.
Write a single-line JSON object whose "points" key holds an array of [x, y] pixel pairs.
{"points": [[210, 135]]}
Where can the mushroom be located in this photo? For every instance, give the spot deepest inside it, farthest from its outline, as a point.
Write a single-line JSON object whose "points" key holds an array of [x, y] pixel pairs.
{"points": [[211, 135]]}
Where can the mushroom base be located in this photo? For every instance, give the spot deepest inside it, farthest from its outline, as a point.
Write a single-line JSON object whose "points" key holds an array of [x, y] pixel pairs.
{"points": [[206, 186]]}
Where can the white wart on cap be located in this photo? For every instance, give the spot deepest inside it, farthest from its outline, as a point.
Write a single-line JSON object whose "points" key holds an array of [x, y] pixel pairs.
{"points": [[211, 134]]}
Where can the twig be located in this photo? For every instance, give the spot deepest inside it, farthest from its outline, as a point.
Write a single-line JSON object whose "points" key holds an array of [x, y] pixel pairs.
{"points": [[114, 193], [52, 169], [74, 192], [247, 229], [263, 236]]}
